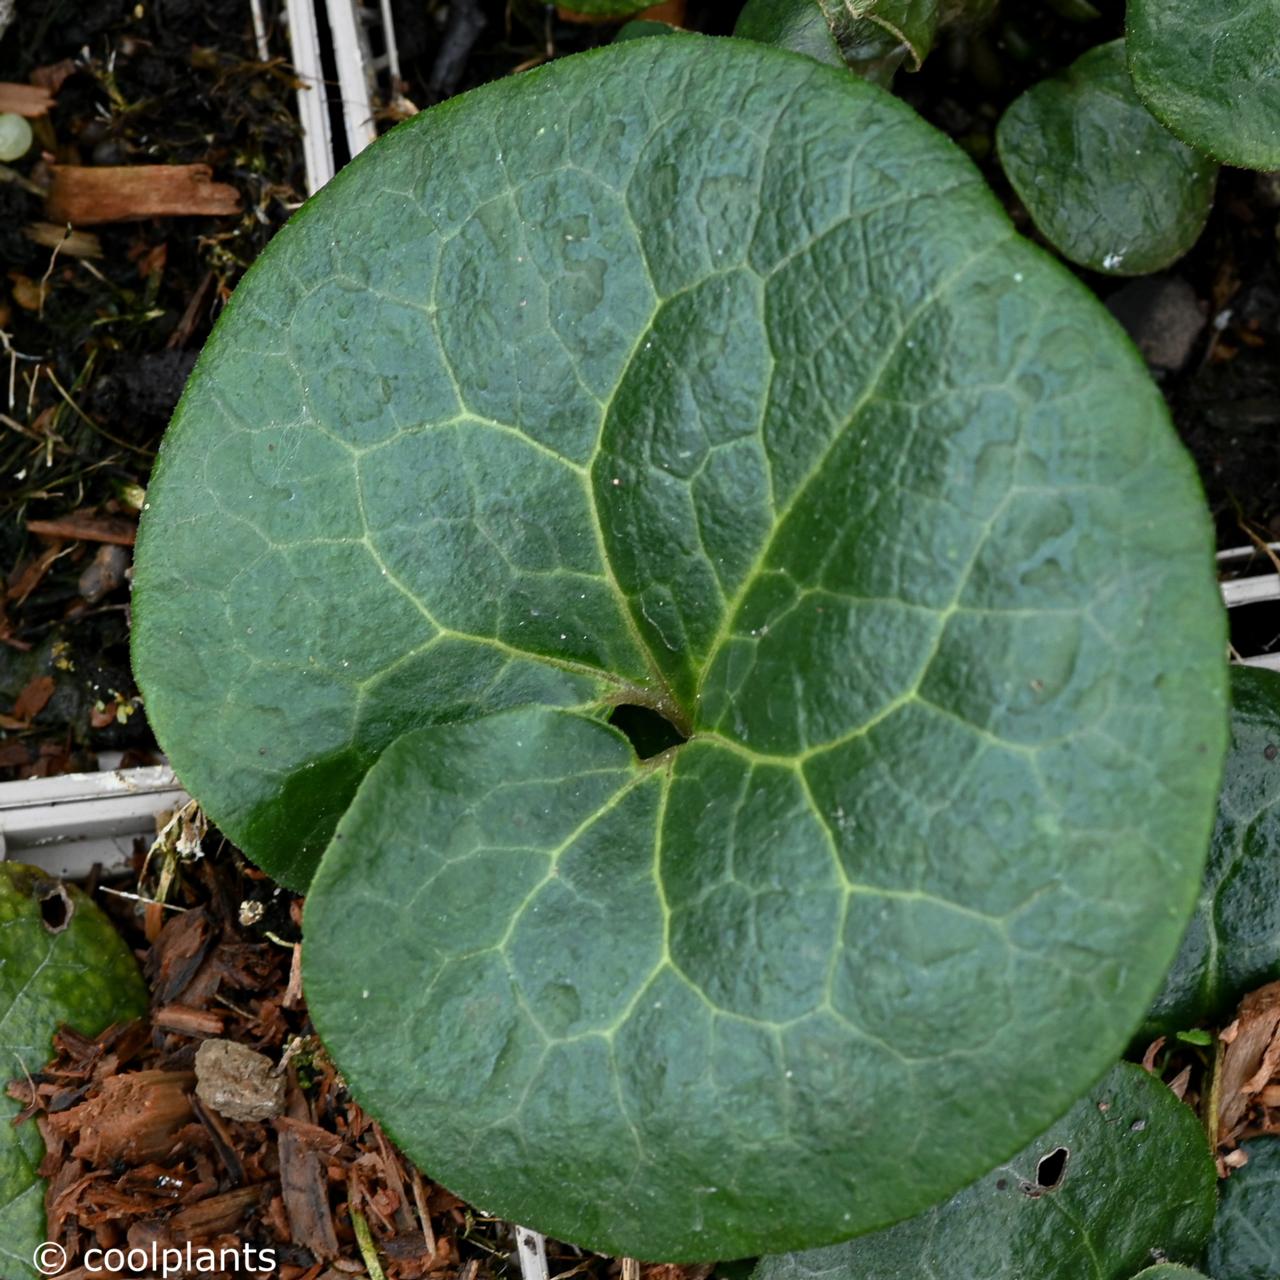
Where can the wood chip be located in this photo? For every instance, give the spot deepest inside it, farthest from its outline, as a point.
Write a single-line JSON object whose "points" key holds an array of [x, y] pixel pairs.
{"points": [[28, 100], [90, 196], [72, 244], [187, 1021], [134, 1117], [306, 1196], [216, 1214], [85, 528], [34, 698]]}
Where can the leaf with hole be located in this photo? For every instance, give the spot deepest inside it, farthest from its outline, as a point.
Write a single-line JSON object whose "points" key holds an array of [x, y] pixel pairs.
{"points": [[1210, 71], [1106, 184], [1124, 1177], [61, 962], [737, 399], [1232, 944], [1245, 1244]]}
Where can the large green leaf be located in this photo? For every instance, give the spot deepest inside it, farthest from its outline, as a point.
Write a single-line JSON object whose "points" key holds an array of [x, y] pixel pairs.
{"points": [[735, 397], [1232, 944], [1107, 185], [1245, 1244], [1169, 1271], [1210, 70], [61, 961], [1123, 1178]]}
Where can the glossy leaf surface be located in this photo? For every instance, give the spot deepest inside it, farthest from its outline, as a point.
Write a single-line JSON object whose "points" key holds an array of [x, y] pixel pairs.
{"points": [[61, 961], [1125, 1176], [1210, 71], [873, 38], [1245, 1244], [740, 399], [1106, 184], [1232, 944]]}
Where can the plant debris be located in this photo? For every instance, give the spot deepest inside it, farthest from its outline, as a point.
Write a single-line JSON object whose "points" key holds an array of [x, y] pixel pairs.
{"points": [[218, 1120]]}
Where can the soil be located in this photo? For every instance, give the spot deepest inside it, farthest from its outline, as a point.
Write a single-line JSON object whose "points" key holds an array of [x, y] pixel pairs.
{"points": [[97, 346]]}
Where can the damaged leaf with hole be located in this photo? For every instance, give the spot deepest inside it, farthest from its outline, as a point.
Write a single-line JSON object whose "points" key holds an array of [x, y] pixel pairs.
{"points": [[61, 962], [1123, 1180]]}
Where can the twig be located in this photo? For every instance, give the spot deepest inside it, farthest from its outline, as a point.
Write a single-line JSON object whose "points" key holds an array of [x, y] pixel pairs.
{"points": [[137, 897], [364, 1239]]}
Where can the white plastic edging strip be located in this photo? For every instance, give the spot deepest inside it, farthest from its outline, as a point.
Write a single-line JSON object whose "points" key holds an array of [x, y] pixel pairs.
{"points": [[389, 36], [532, 1246], [260, 31], [1265, 586], [353, 76], [1267, 661], [313, 107], [66, 824]]}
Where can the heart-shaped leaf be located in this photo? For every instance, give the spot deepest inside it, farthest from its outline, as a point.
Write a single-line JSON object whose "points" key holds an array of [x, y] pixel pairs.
{"points": [[1124, 1177], [1107, 185], [736, 398], [1245, 1244], [1232, 944], [61, 961], [1210, 71]]}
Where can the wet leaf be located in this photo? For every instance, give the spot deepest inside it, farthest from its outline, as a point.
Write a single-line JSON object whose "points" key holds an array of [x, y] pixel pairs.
{"points": [[1132, 1179], [1106, 184]]}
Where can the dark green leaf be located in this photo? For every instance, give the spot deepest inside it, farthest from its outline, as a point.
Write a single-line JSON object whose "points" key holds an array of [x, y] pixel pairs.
{"points": [[873, 38], [642, 27], [1169, 1271], [1232, 944], [1210, 70], [1245, 1244], [1107, 185], [802, 27], [607, 8], [61, 961], [736, 398], [1124, 1177]]}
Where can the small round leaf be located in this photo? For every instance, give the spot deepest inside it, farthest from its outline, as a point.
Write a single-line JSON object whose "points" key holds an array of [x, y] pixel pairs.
{"points": [[1106, 184]]}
